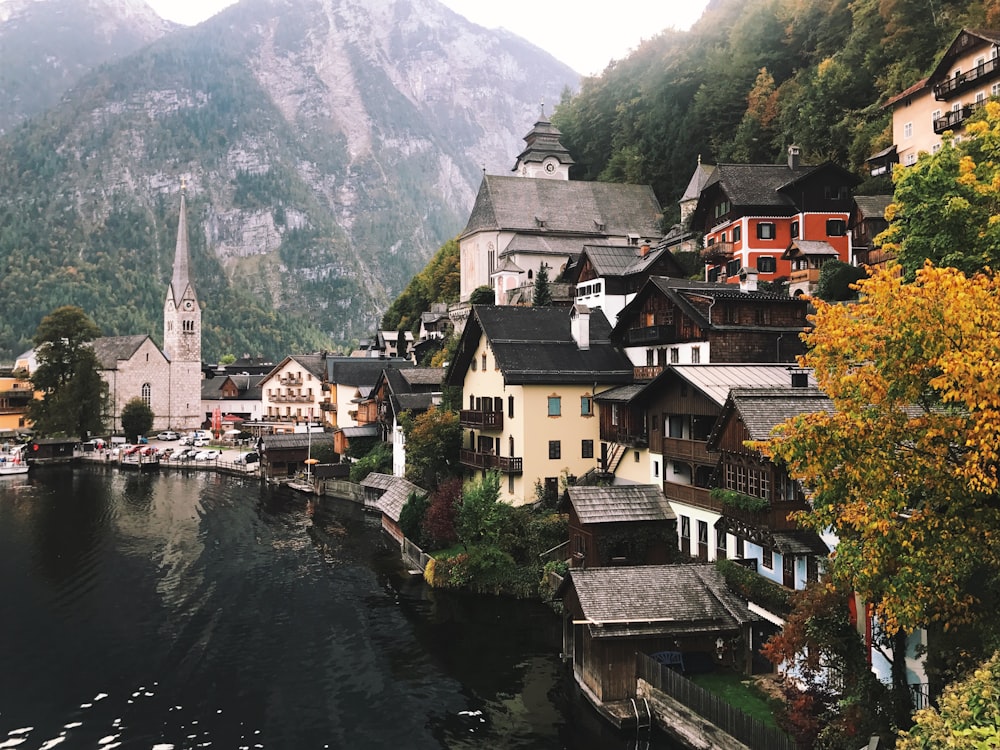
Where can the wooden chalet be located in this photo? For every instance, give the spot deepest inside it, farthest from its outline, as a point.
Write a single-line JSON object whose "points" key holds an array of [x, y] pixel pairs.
{"points": [[760, 495], [866, 223], [613, 613], [676, 321], [619, 525], [284, 455]]}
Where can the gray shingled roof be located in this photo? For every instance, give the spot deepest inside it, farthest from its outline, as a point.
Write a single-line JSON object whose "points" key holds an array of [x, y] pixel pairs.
{"points": [[701, 174], [872, 206], [762, 409], [518, 203], [809, 247], [424, 375], [657, 600], [757, 184], [360, 370], [110, 350], [536, 345], [622, 260], [378, 481], [800, 542], [365, 430], [619, 503], [716, 381], [292, 440], [392, 501]]}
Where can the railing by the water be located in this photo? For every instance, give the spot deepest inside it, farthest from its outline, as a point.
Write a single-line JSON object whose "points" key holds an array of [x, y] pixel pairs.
{"points": [[731, 720], [415, 556]]}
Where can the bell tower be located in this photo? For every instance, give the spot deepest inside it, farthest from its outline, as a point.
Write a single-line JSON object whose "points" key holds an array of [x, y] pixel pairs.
{"points": [[544, 155], [182, 333]]}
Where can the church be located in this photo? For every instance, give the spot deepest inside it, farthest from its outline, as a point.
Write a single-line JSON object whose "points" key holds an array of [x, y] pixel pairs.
{"points": [[167, 380]]}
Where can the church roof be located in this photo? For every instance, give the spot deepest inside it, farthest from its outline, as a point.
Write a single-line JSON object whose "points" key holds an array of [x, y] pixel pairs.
{"points": [[553, 207], [111, 350], [181, 281], [542, 142]]}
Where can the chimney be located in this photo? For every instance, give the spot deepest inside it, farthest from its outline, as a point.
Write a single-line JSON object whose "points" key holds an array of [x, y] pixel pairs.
{"points": [[800, 378], [748, 279], [793, 156], [580, 326], [644, 250]]}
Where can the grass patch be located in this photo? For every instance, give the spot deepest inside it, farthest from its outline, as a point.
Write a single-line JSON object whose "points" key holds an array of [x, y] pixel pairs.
{"points": [[455, 549], [737, 691]]}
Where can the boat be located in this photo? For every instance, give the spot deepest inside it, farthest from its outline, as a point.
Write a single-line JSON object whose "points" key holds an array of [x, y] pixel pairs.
{"points": [[12, 463]]}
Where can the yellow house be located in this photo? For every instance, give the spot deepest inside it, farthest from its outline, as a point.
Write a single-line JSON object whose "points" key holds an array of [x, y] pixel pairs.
{"points": [[16, 394], [528, 377], [967, 75]]}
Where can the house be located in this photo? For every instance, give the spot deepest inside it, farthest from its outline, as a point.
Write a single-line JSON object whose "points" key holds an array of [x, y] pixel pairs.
{"points": [[807, 258], [285, 454], [529, 376], [609, 276], [397, 392], [233, 395], [349, 381], [676, 321], [16, 395], [757, 496], [293, 392], [518, 223], [619, 525], [749, 213], [965, 77], [866, 223], [612, 613], [391, 492], [435, 323], [394, 344]]}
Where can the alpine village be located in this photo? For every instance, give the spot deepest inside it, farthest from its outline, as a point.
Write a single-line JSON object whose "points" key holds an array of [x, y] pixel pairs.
{"points": [[707, 357]]}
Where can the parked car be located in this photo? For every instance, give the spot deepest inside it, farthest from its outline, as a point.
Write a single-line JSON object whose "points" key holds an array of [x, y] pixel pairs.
{"points": [[186, 455], [209, 455], [200, 442], [168, 435], [248, 458]]}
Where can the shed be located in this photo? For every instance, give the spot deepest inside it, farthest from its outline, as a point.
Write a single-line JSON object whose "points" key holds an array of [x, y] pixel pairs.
{"points": [[612, 613]]}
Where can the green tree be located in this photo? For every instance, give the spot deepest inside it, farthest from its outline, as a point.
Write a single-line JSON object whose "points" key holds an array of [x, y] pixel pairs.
{"points": [[137, 418], [68, 375], [835, 280], [481, 515], [945, 206], [411, 517], [542, 294], [433, 438], [482, 295], [966, 718]]}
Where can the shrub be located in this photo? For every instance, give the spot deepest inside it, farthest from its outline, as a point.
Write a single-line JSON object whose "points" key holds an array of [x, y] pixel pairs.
{"points": [[378, 459], [750, 585], [411, 517], [439, 520]]}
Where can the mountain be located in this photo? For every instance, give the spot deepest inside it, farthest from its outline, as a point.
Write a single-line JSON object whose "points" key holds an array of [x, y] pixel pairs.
{"points": [[330, 147], [46, 46]]}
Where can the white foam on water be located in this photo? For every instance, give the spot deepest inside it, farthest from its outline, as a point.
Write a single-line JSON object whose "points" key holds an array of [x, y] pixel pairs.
{"points": [[100, 696], [163, 746], [52, 743], [22, 730], [73, 725], [13, 742], [107, 740]]}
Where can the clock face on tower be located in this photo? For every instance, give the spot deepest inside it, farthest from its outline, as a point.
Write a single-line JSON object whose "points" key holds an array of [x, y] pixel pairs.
{"points": [[188, 304], [550, 167]]}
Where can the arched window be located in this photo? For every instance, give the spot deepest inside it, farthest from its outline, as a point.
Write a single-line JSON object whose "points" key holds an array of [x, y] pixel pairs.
{"points": [[147, 394]]}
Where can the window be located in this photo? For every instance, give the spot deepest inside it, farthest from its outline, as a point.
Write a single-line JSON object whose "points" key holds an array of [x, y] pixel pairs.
{"points": [[685, 527], [723, 238], [994, 91], [675, 426], [586, 449], [586, 406], [474, 364], [147, 393], [656, 469], [935, 148], [737, 233], [555, 449], [765, 230], [635, 455], [733, 267], [767, 558], [936, 114], [695, 355], [484, 361], [795, 229], [980, 97], [908, 130], [675, 355], [555, 406], [720, 544], [836, 227], [767, 264], [510, 407]]}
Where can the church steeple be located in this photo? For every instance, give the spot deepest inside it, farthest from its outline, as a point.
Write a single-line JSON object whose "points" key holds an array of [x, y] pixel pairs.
{"points": [[544, 154], [181, 281]]}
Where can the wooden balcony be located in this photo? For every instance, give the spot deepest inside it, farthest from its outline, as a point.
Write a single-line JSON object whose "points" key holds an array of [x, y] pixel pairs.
{"points": [[718, 253], [647, 372], [691, 451], [503, 464], [661, 334], [691, 495], [775, 518], [624, 436], [965, 81], [951, 120], [484, 420], [810, 275]]}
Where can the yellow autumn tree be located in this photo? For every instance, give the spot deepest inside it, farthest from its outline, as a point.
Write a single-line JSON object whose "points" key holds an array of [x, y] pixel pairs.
{"points": [[905, 468]]}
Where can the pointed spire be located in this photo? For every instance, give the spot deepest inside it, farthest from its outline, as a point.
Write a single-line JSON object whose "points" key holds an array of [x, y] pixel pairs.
{"points": [[180, 281]]}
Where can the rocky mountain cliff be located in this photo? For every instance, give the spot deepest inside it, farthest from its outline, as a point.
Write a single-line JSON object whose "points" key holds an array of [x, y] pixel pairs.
{"points": [[329, 148]]}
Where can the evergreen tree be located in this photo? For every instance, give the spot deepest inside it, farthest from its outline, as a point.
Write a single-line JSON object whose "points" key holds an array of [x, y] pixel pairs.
{"points": [[68, 375], [137, 418], [542, 294]]}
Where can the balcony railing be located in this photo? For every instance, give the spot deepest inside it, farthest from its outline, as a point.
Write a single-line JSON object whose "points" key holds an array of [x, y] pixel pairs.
{"points": [[484, 420], [719, 252], [951, 120], [291, 380], [807, 274], [963, 81], [691, 495], [624, 436], [647, 372], [503, 464], [328, 406], [680, 449]]}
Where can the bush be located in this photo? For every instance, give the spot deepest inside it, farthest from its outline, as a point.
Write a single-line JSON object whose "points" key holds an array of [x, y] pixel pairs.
{"points": [[378, 459], [754, 587], [439, 520], [411, 518]]}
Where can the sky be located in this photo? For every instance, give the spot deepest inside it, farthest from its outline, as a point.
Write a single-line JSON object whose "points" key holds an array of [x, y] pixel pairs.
{"points": [[584, 35]]}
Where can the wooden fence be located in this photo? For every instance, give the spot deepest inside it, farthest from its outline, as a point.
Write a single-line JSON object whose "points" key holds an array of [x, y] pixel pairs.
{"points": [[731, 720], [413, 555]]}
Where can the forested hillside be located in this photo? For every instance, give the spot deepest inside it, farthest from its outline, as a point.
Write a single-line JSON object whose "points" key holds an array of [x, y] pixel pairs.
{"points": [[753, 77]]}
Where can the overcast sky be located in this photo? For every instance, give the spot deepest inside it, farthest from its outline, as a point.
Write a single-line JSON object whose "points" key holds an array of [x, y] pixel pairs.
{"points": [[584, 35]]}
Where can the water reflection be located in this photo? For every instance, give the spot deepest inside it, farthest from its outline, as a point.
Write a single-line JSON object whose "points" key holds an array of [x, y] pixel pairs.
{"points": [[203, 611]]}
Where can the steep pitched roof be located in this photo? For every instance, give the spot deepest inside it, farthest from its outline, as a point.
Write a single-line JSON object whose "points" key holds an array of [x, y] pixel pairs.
{"points": [[536, 345], [716, 381], [701, 175], [762, 409], [543, 141], [872, 206], [360, 370], [626, 260], [619, 503], [394, 498], [657, 600], [819, 248], [564, 206], [111, 350], [423, 376], [961, 44]]}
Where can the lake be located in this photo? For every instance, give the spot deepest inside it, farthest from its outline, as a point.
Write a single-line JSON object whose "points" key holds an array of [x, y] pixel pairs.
{"points": [[200, 611]]}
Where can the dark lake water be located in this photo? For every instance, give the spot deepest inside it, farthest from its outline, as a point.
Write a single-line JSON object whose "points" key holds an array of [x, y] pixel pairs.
{"points": [[170, 611]]}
